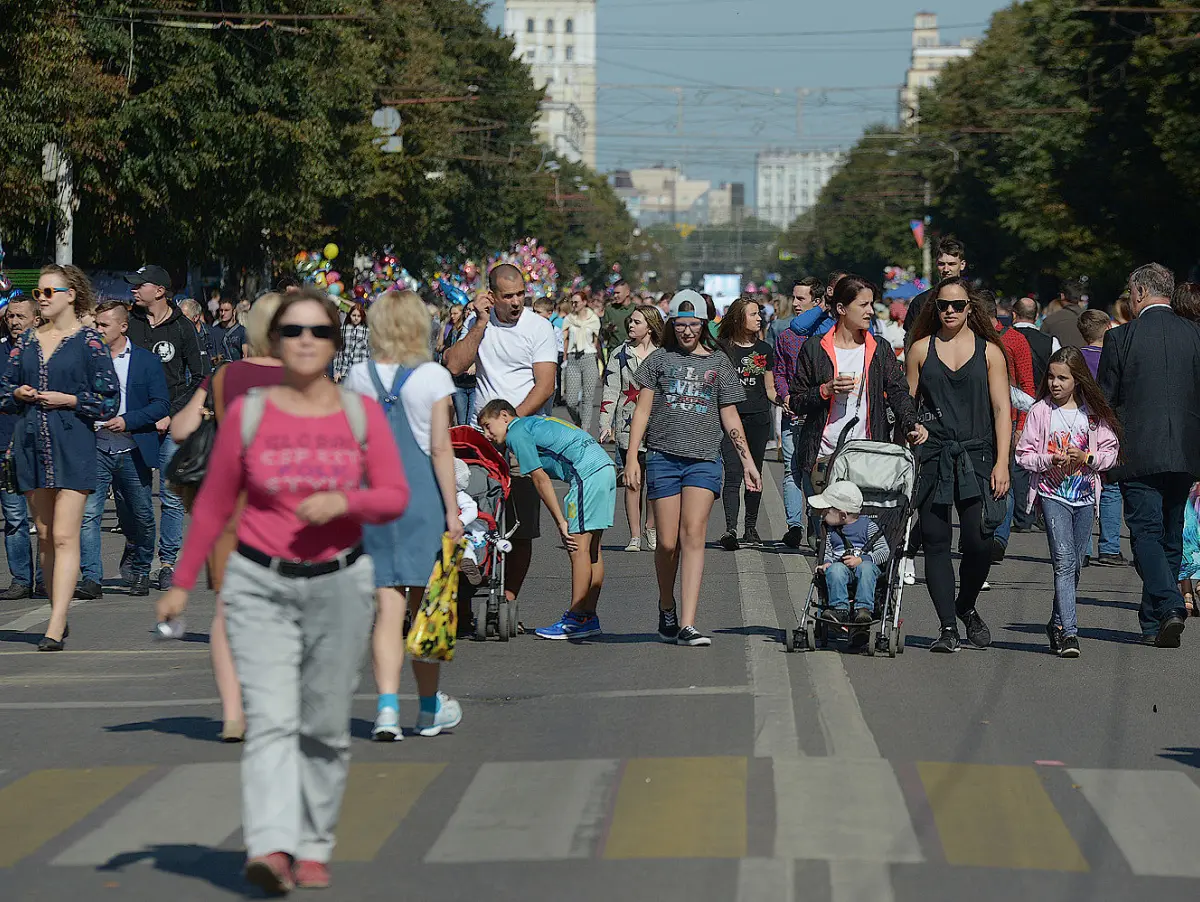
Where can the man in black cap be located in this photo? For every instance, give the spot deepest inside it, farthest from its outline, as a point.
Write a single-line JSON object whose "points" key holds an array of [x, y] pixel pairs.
{"points": [[159, 326]]}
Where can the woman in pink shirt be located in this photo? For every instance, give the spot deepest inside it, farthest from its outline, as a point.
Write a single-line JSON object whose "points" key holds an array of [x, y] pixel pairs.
{"points": [[298, 592]]}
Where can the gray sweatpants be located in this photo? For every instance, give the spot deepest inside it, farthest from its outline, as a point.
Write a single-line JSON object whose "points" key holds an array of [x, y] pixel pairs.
{"points": [[299, 645]]}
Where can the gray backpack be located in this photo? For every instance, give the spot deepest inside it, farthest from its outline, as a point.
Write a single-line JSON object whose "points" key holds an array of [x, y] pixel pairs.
{"points": [[255, 405]]}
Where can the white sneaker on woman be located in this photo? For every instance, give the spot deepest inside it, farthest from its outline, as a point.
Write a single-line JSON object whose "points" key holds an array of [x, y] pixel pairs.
{"points": [[908, 571], [448, 716], [651, 539], [635, 544]]}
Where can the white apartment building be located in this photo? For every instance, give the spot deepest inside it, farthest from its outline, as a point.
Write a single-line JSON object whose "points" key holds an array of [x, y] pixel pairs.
{"points": [[788, 183], [663, 194], [557, 38], [929, 57]]}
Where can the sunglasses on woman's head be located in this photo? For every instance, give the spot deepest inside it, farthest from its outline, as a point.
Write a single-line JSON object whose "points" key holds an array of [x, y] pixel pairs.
{"points": [[956, 306], [295, 330], [44, 294]]}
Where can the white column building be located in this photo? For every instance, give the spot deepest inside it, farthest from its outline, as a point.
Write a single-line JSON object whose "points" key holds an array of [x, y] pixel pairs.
{"points": [[788, 183], [557, 38]]}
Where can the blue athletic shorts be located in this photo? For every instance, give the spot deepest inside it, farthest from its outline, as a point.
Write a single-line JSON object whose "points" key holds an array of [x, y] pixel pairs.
{"points": [[592, 501], [668, 475]]}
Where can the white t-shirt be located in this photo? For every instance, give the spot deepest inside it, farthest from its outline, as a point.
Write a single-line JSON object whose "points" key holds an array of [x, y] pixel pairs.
{"points": [[507, 354], [845, 407], [429, 384]]}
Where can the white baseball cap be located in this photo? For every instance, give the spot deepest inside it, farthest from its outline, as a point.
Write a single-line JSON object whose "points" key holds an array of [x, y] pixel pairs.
{"points": [[688, 296], [842, 495]]}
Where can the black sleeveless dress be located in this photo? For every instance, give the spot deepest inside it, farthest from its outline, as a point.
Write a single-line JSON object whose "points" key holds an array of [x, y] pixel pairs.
{"points": [[956, 409]]}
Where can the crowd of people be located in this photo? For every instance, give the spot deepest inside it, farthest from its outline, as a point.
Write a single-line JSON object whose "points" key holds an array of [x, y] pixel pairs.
{"points": [[334, 478]]}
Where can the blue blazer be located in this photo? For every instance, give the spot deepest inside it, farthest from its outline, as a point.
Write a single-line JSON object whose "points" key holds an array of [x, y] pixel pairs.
{"points": [[146, 402]]}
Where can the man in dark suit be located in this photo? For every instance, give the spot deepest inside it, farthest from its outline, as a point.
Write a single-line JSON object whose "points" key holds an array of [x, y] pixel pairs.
{"points": [[127, 446], [1150, 372]]}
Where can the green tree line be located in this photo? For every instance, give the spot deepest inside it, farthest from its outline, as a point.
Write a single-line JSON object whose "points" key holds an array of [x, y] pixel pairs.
{"points": [[1067, 146], [243, 132]]}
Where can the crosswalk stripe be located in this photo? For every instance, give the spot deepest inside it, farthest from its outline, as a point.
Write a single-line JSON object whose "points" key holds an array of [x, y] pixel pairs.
{"points": [[1153, 817], [378, 797], [529, 811], [680, 808], [833, 809], [194, 805], [998, 816], [38, 807]]}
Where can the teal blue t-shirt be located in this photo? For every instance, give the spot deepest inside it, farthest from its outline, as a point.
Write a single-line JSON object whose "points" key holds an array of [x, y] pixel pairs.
{"points": [[562, 450]]}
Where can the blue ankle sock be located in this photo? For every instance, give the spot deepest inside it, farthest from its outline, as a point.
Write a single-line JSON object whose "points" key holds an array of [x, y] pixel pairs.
{"points": [[430, 704], [388, 700]]}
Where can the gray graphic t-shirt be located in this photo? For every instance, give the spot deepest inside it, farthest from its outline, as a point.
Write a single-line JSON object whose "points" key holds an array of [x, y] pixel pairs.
{"points": [[689, 392]]}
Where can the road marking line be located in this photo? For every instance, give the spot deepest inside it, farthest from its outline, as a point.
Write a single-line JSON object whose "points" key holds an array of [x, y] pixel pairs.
{"points": [[34, 617], [766, 880], [991, 815], [67, 655], [1153, 817], [860, 881], [846, 732], [835, 809], [680, 808], [194, 805], [671, 692], [529, 811], [43, 804], [378, 797]]}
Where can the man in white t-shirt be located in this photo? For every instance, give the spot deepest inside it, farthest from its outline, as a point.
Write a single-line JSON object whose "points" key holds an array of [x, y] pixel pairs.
{"points": [[516, 358]]}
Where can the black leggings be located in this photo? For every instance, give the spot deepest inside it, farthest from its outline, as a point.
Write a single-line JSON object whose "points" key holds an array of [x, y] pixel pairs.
{"points": [[758, 428], [939, 570]]}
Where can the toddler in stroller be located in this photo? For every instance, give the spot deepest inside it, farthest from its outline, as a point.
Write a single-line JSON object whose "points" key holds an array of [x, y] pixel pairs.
{"points": [[475, 528], [855, 552]]}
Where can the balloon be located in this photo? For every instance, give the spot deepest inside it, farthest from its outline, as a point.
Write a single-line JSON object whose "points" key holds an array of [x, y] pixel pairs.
{"points": [[320, 280], [331, 251], [334, 276], [335, 289], [453, 293]]}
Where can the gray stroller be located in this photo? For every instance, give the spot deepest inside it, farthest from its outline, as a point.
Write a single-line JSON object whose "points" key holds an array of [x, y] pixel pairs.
{"points": [[887, 475]]}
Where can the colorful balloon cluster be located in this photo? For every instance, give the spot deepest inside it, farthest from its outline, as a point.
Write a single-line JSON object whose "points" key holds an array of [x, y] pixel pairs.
{"points": [[375, 275], [466, 278], [316, 268], [531, 258], [895, 276]]}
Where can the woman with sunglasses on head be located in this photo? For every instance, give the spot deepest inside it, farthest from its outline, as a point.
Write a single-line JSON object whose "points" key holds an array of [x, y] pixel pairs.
{"points": [[688, 401], [356, 342], [59, 379], [298, 591], [958, 372], [740, 337]]}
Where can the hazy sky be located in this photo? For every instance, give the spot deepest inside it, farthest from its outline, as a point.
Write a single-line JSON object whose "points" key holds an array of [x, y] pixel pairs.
{"points": [[711, 48]]}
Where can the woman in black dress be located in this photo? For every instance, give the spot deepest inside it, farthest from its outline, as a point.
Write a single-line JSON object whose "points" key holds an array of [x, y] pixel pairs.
{"points": [[740, 336], [59, 379], [958, 373]]}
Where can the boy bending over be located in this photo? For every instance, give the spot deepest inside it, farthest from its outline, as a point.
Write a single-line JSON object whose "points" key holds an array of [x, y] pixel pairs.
{"points": [[855, 549], [545, 447]]}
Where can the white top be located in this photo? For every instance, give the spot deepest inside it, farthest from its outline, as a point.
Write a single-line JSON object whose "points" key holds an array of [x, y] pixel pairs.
{"points": [[845, 407], [582, 332], [429, 384], [507, 353]]}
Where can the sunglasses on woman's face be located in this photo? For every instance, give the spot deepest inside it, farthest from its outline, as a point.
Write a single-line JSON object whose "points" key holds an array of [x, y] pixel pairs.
{"points": [[295, 330], [956, 306], [44, 294]]}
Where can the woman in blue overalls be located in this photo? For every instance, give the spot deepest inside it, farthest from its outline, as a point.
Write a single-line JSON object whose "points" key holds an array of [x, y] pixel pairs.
{"points": [[59, 379], [417, 396]]}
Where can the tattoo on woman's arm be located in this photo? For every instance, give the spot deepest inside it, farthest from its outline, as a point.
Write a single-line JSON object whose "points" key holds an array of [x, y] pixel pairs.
{"points": [[739, 443]]}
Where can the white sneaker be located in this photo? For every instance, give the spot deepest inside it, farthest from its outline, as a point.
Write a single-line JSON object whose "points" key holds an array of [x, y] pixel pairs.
{"points": [[448, 716], [635, 544], [387, 726], [651, 539], [986, 587], [908, 571]]}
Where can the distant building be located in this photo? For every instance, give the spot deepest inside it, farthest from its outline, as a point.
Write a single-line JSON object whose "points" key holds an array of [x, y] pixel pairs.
{"points": [[664, 194], [789, 182], [929, 57], [557, 38], [726, 204]]}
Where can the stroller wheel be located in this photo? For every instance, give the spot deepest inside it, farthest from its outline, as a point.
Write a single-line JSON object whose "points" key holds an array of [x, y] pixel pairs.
{"points": [[514, 623], [873, 639], [502, 621], [900, 638], [789, 640], [481, 619]]}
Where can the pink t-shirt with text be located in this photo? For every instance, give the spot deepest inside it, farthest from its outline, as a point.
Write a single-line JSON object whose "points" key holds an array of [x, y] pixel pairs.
{"points": [[290, 458]]}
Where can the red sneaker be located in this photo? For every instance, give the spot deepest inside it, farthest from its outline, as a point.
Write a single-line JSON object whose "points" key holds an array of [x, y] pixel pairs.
{"points": [[271, 873], [311, 874]]}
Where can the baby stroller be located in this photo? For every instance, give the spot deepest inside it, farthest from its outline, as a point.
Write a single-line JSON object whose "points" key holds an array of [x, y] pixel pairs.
{"points": [[886, 474], [490, 485]]}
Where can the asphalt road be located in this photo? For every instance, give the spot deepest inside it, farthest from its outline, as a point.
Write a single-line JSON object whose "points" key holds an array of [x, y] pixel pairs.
{"points": [[623, 768]]}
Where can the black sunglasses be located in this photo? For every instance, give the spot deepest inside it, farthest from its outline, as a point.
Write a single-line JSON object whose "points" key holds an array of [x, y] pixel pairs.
{"points": [[956, 306], [295, 330]]}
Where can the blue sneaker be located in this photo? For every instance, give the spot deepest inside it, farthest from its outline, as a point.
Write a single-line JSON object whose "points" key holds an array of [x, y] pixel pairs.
{"points": [[570, 627]]}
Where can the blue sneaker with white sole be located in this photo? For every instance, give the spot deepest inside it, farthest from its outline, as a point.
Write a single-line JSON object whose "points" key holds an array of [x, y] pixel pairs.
{"points": [[571, 626]]}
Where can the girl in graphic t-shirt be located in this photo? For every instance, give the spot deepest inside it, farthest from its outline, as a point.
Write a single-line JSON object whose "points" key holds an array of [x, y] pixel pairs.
{"points": [[688, 401], [1070, 437]]}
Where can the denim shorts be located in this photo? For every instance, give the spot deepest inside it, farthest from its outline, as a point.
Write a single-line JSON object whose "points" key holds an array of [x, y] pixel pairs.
{"points": [[669, 474]]}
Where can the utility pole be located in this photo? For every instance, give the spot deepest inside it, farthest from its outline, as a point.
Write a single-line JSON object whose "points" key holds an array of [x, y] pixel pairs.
{"points": [[926, 243], [56, 168]]}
